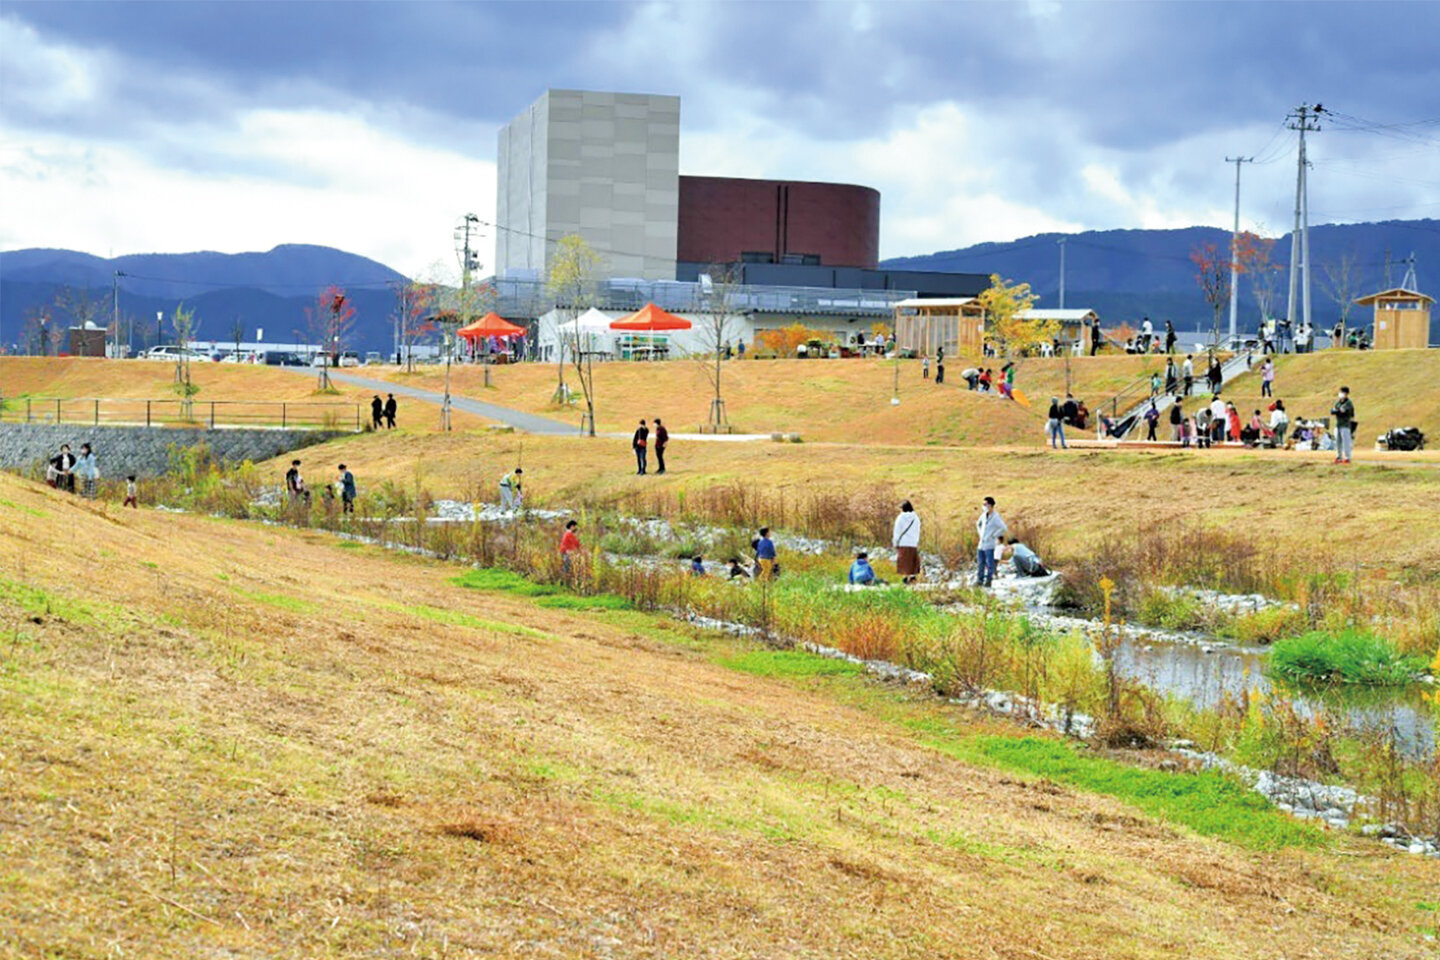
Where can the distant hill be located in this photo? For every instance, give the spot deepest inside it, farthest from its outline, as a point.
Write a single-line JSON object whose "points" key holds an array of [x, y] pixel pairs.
{"points": [[1124, 274], [268, 291]]}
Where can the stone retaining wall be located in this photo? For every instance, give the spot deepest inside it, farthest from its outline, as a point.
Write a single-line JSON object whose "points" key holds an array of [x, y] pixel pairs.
{"points": [[145, 451]]}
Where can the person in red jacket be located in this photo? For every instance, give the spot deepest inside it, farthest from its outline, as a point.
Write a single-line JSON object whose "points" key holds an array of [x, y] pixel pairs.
{"points": [[569, 545]]}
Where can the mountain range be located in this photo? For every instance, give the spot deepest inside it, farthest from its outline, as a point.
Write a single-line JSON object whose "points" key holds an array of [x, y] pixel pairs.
{"points": [[1121, 274], [1126, 274]]}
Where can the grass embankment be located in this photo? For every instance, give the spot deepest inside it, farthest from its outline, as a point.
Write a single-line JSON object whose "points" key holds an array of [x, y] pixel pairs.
{"points": [[823, 400], [247, 391], [393, 763]]}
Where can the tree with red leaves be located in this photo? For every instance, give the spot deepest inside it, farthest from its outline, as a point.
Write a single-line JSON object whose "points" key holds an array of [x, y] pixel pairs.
{"points": [[331, 319]]}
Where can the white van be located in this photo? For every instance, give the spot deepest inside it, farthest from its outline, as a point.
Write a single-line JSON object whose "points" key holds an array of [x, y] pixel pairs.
{"points": [[172, 353]]}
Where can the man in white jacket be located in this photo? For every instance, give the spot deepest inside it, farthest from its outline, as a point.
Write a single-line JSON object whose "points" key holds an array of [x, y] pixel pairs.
{"points": [[906, 541], [989, 528]]}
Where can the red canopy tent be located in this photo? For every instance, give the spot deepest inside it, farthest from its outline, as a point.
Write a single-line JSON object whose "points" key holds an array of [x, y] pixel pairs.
{"points": [[649, 319], [490, 325]]}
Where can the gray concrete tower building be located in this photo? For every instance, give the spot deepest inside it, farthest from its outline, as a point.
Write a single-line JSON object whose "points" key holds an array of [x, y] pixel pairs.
{"points": [[603, 165]]}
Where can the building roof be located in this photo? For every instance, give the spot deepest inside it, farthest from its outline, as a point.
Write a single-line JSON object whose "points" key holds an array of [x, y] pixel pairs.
{"points": [[1040, 313], [1394, 293], [936, 302]]}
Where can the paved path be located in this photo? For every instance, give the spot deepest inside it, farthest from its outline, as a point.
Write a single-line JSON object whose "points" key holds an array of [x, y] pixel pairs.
{"points": [[528, 422]]}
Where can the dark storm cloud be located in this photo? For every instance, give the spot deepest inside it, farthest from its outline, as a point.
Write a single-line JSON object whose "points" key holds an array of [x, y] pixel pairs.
{"points": [[1131, 75]]}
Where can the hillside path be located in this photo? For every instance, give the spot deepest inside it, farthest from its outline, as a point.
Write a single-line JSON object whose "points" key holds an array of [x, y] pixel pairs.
{"points": [[529, 422]]}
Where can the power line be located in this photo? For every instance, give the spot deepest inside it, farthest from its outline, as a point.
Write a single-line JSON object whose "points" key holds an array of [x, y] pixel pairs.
{"points": [[237, 285]]}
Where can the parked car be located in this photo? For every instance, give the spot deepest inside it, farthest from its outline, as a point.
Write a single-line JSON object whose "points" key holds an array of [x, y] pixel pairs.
{"points": [[281, 358], [172, 353], [349, 359], [372, 358]]}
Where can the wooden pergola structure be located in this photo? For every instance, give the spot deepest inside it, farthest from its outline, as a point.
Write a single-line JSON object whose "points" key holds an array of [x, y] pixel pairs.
{"points": [[925, 325], [1402, 319]]}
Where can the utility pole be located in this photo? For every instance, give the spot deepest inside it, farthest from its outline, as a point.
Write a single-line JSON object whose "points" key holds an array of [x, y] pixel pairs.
{"points": [[1387, 269], [1061, 241], [1234, 249], [467, 263], [1304, 119], [115, 305]]}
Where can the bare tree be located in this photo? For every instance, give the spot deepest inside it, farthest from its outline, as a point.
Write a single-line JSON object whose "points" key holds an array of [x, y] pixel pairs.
{"points": [[186, 327], [414, 303], [570, 282], [331, 318], [1255, 254], [237, 333], [719, 325], [1340, 281]]}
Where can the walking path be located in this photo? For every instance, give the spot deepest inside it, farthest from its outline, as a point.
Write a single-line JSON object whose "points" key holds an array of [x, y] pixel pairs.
{"points": [[529, 422]]}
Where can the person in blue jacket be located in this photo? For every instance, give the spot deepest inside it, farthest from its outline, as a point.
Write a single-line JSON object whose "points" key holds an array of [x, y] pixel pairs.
{"points": [[860, 571]]}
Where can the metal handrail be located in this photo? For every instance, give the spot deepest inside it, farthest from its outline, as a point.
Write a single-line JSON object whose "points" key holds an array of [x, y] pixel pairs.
{"points": [[183, 412]]}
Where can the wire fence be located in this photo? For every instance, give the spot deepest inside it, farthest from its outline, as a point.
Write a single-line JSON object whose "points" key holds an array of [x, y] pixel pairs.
{"points": [[211, 414]]}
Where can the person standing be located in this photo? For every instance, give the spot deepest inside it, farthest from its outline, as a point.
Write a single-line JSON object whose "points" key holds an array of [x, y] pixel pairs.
{"points": [[638, 443], [377, 412], [511, 496], [1055, 424], [295, 484], [1267, 378], [1152, 418], [1344, 413], [1187, 373], [1095, 336], [662, 437], [390, 411], [347, 490], [940, 366], [132, 493], [1279, 421], [925, 367], [1215, 375], [61, 472], [764, 555], [1171, 377], [1219, 420], [88, 470], [1155, 384], [569, 546], [1177, 418], [1169, 337], [990, 527], [906, 541]]}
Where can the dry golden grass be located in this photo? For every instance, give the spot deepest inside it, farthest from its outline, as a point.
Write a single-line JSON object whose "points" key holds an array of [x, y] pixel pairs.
{"points": [[88, 377], [224, 739]]}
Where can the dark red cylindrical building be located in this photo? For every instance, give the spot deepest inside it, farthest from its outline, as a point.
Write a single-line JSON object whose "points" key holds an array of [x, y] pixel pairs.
{"points": [[729, 220]]}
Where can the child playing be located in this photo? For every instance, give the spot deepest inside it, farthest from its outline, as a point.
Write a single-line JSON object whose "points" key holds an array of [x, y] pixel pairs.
{"points": [[131, 493]]}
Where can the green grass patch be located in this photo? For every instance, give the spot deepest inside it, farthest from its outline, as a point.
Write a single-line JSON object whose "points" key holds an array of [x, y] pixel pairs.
{"points": [[279, 600], [571, 601], [507, 581], [1352, 657], [789, 663], [42, 603], [28, 511], [1209, 803]]}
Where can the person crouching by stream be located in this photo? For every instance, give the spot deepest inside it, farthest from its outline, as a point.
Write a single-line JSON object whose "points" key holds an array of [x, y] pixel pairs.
{"points": [[906, 541]]}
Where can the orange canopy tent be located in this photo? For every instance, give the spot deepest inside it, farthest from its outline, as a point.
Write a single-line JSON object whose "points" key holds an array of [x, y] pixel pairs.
{"points": [[650, 318], [490, 325]]}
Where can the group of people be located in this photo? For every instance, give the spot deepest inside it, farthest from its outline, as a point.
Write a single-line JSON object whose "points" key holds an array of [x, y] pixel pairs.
{"points": [[644, 440], [1220, 421], [991, 547], [343, 488], [1071, 413], [382, 414], [63, 469], [1147, 341], [984, 380]]}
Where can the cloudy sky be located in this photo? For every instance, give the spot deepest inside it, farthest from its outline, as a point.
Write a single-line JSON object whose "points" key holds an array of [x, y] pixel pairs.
{"points": [[139, 127]]}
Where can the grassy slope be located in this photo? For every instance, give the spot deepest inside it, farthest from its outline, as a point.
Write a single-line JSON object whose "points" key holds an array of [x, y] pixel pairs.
{"points": [[346, 755], [827, 400], [68, 377], [1297, 504]]}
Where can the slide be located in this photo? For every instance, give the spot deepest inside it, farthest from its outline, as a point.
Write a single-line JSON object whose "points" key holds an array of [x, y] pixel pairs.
{"points": [[1020, 398]]}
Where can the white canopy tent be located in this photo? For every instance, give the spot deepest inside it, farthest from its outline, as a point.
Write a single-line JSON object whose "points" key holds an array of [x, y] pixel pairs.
{"points": [[593, 327]]}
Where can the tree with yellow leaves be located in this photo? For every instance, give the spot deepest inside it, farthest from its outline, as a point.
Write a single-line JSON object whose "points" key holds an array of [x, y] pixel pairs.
{"points": [[1007, 323]]}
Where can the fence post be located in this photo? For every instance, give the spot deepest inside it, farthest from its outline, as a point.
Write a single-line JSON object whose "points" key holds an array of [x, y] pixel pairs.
{"points": [[357, 418], [212, 414], [57, 409], [97, 411], [147, 413], [282, 416], [27, 410]]}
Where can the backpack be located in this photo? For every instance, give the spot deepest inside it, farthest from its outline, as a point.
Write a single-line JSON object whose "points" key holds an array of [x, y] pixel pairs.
{"points": [[1405, 438]]}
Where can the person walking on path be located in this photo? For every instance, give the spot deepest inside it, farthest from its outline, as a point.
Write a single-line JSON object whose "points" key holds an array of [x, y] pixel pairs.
{"points": [[764, 555], [132, 493], [390, 411], [990, 528], [1171, 377], [88, 470], [1177, 418], [1055, 424], [511, 496], [1152, 417], [906, 541], [1187, 373], [662, 437], [1154, 384], [377, 412], [569, 546], [1267, 378], [1279, 421], [1344, 414], [638, 443], [1169, 337], [347, 490]]}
